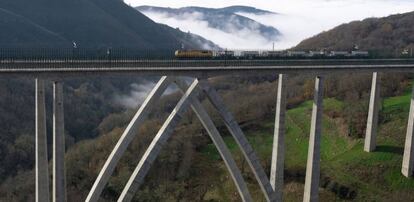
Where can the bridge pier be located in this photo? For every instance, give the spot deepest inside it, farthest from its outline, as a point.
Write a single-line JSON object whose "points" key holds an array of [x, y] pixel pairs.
{"points": [[241, 140], [59, 186], [313, 164], [408, 159], [126, 138], [42, 173], [220, 145], [168, 127], [372, 122], [150, 155], [278, 155], [156, 145]]}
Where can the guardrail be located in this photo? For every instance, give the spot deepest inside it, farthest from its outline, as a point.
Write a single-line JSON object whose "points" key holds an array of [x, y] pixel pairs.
{"points": [[121, 54]]}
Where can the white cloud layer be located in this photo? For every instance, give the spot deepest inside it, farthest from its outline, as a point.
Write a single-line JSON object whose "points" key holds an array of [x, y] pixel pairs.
{"points": [[298, 19], [139, 93], [248, 38]]}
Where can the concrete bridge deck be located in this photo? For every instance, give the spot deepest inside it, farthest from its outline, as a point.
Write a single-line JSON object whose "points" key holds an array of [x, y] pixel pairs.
{"points": [[200, 68]]}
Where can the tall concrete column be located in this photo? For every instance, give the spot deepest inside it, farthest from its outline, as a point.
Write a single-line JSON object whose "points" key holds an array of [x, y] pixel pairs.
{"points": [[59, 186], [42, 173], [372, 122], [408, 159], [126, 138], [278, 155], [314, 156]]}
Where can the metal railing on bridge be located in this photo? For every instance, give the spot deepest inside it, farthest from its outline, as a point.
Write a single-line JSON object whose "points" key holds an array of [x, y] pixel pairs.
{"points": [[116, 54], [124, 54]]}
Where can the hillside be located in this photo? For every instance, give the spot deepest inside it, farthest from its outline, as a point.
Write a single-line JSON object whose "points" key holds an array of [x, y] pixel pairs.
{"points": [[384, 36], [23, 32], [91, 23]]}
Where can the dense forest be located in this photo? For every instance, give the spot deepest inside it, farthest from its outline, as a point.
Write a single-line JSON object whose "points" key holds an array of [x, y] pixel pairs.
{"points": [[189, 168]]}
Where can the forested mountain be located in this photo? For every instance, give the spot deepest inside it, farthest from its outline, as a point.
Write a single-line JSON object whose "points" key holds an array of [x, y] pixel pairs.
{"points": [[20, 31], [90, 23], [384, 36]]}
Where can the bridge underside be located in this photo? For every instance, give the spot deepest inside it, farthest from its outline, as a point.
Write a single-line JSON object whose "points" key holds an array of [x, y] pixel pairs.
{"points": [[271, 185]]}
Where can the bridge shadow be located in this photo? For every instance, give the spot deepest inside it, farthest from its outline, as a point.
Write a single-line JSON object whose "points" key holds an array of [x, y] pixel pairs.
{"points": [[390, 149]]}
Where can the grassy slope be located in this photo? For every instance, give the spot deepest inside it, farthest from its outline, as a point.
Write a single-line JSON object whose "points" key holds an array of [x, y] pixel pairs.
{"points": [[374, 176]]}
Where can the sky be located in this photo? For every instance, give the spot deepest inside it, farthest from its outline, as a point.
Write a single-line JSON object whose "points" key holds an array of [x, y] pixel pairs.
{"points": [[297, 19]]}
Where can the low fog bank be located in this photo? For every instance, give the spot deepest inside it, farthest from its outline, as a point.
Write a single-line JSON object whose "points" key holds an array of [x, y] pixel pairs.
{"points": [[139, 92], [247, 38], [296, 19]]}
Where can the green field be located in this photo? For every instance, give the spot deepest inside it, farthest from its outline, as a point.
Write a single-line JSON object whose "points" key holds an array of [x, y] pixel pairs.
{"points": [[347, 172]]}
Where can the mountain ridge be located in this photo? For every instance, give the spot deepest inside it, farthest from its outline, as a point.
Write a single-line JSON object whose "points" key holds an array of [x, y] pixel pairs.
{"points": [[248, 9], [233, 9]]}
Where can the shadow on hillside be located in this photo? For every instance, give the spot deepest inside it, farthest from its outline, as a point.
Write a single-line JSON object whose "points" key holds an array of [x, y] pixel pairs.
{"points": [[342, 191], [390, 149]]}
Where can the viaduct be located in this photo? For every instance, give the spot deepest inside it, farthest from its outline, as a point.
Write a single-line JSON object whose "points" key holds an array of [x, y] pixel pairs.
{"points": [[172, 72]]}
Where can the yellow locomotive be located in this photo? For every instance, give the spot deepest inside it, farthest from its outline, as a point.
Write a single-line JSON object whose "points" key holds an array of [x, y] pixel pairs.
{"points": [[194, 54]]}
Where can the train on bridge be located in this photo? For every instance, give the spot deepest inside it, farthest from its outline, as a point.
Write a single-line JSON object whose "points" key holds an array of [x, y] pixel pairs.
{"points": [[118, 54], [249, 55]]}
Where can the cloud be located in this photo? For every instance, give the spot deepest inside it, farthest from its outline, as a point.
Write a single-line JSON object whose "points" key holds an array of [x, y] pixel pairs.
{"points": [[298, 19], [136, 96], [231, 37], [293, 28], [139, 92]]}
